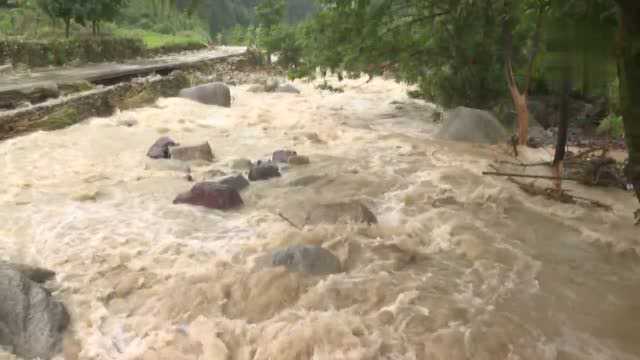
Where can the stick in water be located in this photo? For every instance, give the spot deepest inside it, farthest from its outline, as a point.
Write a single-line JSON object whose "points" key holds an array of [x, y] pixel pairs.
{"points": [[289, 221]]}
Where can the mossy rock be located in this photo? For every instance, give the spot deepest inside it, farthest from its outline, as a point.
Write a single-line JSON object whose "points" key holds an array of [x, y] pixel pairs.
{"points": [[61, 118], [141, 99]]}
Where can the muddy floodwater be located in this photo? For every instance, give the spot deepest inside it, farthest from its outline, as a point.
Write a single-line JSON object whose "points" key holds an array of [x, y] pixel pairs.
{"points": [[460, 265]]}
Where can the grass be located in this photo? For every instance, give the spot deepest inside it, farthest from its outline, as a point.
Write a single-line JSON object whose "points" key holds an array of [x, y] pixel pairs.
{"points": [[154, 40]]}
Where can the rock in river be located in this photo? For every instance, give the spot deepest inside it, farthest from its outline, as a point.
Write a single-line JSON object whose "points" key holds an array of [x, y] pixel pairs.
{"points": [[283, 155], [212, 195], [31, 321], [333, 213], [237, 182], [263, 171], [211, 94], [313, 260], [472, 125], [160, 149], [192, 153]]}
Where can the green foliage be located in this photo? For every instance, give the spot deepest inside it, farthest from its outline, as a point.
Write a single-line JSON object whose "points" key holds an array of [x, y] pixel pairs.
{"points": [[612, 126]]}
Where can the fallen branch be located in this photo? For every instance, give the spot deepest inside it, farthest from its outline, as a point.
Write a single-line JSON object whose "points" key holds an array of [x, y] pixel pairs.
{"points": [[543, 163], [496, 173], [289, 221], [562, 196]]}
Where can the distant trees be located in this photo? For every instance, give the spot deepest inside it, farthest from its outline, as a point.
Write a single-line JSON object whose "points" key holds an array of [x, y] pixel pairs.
{"points": [[82, 11], [269, 14]]}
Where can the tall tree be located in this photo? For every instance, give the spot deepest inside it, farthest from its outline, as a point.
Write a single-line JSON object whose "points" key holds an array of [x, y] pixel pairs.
{"points": [[629, 76], [269, 14]]}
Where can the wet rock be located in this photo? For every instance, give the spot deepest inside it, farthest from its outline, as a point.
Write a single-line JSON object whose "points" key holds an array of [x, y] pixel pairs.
{"points": [[283, 155], [160, 149], [257, 88], [287, 88], [263, 171], [312, 260], [211, 94], [306, 180], [212, 173], [127, 122], [314, 138], [333, 213], [472, 125], [33, 273], [31, 321], [270, 85], [241, 164], [76, 86], [237, 182], [192, 153], [211, 195], [299, 160]]}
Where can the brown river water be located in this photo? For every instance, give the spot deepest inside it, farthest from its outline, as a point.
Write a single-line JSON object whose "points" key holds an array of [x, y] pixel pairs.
{"points": [[460, 266]]}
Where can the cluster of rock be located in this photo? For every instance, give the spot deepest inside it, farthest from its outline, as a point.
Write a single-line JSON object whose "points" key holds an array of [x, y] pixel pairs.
{"points": [[32, 322], [224, 194]]}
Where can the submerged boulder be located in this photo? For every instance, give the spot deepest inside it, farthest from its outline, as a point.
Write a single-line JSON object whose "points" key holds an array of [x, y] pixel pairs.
{"points": [[211, 94], [263, 171], [270, 85], [313, 260], [237, 182], [212, 195], [472, 125], [192, 153], [241, 164], [160, 149], [299, 160], [256, 88], [283, 155], [287, 88], [333, 213], [32, 323]]}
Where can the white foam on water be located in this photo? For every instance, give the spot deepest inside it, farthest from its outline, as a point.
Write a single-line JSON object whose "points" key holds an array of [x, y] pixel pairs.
{"points": [[460, 265]]}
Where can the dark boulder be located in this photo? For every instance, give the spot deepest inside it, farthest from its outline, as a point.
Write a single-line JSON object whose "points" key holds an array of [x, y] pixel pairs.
{"points": [[210, 94], [263, 171], [32, 323], [333, 213], [313, 260], [160, 149], [237, 182], [212, 195], [283, 155]]}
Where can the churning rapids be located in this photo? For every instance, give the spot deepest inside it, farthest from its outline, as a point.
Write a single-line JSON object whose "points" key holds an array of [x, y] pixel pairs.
{"points": [[460, 266]]}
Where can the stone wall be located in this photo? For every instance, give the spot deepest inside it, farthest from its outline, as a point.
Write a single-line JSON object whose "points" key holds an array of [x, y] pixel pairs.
{"points": [[102, 101]]}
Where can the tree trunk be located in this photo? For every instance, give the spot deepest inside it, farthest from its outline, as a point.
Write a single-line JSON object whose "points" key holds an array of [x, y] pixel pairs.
{"points": [[561, 144], [629, 76], [520, 98], [94, 28], [67, 27]]}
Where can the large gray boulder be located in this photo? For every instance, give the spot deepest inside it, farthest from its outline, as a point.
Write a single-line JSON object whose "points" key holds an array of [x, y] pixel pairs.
{"points": [[333, 213], [211, 94], [313, 260], [472, 125], [32, 323], [200, 152]]}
